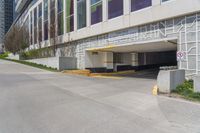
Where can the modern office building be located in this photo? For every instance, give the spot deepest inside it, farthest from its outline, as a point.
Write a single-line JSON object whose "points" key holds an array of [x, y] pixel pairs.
{"points": [[107, 35], [6, 18]]}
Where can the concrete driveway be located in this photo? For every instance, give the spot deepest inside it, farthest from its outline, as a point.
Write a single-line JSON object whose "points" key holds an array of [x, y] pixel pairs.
{"points": [[37, 101]]}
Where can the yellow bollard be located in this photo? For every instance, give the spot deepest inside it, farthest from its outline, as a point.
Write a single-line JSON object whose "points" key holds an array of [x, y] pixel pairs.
{"points": [[155, 90]]}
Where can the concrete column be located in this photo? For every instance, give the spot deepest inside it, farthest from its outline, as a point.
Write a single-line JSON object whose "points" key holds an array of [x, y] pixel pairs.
{"points": [[145, 59], [56, 17], [156, 2], [197, 83], [127, 4], [30, 27], [37, 45], [75, 15], [88, 13], [43, 21], [33, 34], [64, 15], [134, 59], [108, 60], [49, 21], [105, 10]]}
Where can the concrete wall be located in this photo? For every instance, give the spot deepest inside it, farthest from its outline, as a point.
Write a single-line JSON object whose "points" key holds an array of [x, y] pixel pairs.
{"points": [[168, 80], [127, 58], [197, 83], [1, 48], [94, 59], [14, 57], [108, 60], [60, 63], [67, 63]]}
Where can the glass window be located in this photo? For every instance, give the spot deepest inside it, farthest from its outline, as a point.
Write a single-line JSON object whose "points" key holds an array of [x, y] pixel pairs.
{"points": [[115, 8], [46, 30], [81, 14], [60, 5], [96, 11], [35, 17], [45, 9], [40, 22], [70, 15], [140, 4], [31, 28], [164, 0], [40, 10], [25, 30], [35, 25], [60, 17], [46, 20], [52, 19]]}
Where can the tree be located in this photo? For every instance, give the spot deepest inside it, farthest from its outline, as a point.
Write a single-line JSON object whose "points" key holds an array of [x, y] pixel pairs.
{"points": [[53, 37], [52, 27], [17, 39]]}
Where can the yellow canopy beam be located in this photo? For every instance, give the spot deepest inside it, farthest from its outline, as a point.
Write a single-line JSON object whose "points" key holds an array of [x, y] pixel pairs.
{"points": [[101, 49]]}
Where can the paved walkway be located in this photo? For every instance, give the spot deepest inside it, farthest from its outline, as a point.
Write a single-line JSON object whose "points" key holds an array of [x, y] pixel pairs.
{"points": [[37, 101]]}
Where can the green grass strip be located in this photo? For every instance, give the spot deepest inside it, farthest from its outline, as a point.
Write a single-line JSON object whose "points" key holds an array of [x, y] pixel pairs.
{"points": [[32, 64]]}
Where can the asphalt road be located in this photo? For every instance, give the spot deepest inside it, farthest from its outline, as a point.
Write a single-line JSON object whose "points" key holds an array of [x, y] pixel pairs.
{"points": [[37, 101]]}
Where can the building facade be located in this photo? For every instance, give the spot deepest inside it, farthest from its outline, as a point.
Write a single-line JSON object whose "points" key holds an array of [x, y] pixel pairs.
{"points": [[112, 35], [6, 18]]}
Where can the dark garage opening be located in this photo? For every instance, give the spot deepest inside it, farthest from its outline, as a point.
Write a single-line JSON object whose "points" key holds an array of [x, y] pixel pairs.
{"points": [[148, 60], [154, 60]]}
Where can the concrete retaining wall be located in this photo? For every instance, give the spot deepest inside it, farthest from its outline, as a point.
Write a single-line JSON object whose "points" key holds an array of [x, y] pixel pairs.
{"points": [[60, 63], [197, 83], [13, 57], [168, 80]]}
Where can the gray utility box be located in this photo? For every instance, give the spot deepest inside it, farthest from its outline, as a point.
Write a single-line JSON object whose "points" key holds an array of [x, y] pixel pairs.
{"points": [[168, 80], [197, 83]]}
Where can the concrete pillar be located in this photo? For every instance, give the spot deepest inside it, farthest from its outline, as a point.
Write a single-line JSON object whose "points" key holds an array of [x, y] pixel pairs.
{"points": [[75, 15], [105, 10], [145, 58], [108, 60], [33, 33], [42, 21], [64, 16], [30, 15], [88, 13], [49, 21], [127, 4], [134, 59], [156, 2], [197, 83]]}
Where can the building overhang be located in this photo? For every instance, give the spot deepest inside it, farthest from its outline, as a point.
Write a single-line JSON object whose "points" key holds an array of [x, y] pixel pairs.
{"points": [[160, 45]]}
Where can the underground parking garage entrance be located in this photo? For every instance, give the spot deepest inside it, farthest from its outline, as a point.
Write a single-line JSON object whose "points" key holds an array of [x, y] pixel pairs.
{"points": [[140, 56]]}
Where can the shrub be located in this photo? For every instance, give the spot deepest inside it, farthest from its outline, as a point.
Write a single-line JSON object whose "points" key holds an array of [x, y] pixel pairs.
{"points": [[196, 95], [4, 55], [37, 53], [187, 90]]}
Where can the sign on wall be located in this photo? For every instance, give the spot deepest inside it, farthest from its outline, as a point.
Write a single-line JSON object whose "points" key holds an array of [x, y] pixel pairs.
{"points": [[181, 56]]}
